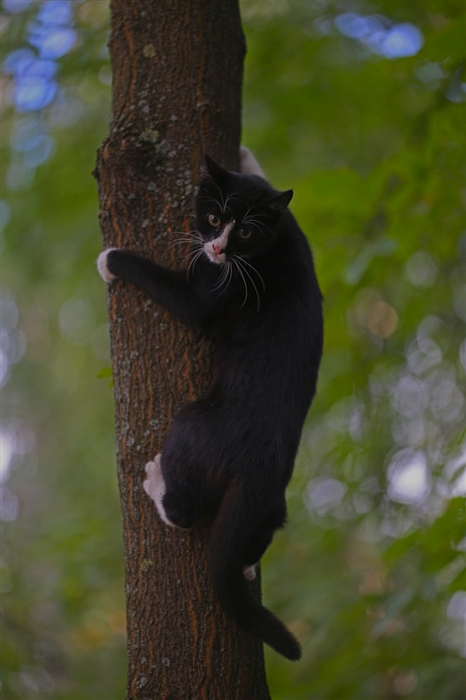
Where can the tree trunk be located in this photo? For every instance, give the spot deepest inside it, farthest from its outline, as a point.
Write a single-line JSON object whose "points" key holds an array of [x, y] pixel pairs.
{"points": [[177, 78]]}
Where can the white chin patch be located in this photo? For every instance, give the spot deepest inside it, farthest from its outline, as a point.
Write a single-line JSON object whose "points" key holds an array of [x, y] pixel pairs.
{"points": [[214, 249], [218, 258]]}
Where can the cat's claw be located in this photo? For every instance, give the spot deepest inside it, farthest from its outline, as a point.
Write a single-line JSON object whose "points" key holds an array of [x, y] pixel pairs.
{"points": [[102, 266]]}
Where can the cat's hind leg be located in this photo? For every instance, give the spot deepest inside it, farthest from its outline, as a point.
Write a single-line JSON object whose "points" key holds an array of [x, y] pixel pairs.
{"points": [[175, 506]]}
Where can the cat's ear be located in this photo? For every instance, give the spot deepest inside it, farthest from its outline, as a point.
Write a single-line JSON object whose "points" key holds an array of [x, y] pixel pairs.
{"points": [[214, 172], [280, 202]]}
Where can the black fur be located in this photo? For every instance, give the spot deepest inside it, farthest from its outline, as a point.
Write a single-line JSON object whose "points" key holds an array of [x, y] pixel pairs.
{"points": [[232, 452]]}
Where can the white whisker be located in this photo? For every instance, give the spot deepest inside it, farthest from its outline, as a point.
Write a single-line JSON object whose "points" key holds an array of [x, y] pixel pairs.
{"points": [[256, 222], [221, 195], [224, 279], [198, 248], [179, 241], [230, 196], [186, 237], [193, 262], [239, 262], [213, 200], [244, 282], [246, 262]]}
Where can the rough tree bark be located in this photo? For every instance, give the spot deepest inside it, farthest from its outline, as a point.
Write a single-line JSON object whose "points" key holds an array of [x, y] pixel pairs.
{"points": [[177, 78]]}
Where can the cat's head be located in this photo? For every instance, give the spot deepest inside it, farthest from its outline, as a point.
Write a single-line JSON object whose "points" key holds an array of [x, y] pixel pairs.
{"points": [[237, 214]]}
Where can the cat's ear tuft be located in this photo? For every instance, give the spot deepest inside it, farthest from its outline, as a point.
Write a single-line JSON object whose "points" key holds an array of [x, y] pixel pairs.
{"points": [[213, 172], [280, 202]]}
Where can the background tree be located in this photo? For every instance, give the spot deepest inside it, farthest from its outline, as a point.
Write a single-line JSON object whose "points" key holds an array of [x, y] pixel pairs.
{"points": [[171, 104], [360, 108]]}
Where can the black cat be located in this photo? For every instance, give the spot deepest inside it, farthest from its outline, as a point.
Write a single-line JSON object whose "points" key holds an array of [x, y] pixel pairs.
{"points": [[251, 283]]}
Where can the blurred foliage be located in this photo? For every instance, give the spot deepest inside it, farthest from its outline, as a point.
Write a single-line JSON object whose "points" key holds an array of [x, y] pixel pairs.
{"points": [[360, 107]]}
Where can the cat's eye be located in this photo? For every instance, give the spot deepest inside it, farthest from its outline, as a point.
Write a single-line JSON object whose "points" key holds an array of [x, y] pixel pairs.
{"points": [[214, 220], [244, 233]]}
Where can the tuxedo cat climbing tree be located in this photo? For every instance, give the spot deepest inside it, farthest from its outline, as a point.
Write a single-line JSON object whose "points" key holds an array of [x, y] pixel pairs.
{"points": [[177, 78]]}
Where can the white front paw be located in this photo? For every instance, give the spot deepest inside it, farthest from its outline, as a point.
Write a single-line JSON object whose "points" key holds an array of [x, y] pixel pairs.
{"points": [[103, 267]]}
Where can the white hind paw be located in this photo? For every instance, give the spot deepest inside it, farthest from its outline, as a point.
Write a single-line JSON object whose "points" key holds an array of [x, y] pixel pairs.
{"points": [[102, 266], [155, 487], [250, 572]]}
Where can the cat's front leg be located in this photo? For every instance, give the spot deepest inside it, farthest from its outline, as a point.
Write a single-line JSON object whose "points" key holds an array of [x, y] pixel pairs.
{"points": [[169, 288], [127, 265]]}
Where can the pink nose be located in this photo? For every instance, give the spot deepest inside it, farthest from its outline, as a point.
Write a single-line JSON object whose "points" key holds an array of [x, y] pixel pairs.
{"points": [[217, 249]]}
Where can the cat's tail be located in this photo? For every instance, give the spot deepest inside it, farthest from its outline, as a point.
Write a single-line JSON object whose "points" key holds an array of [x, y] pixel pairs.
{"points": [[228, 540]]}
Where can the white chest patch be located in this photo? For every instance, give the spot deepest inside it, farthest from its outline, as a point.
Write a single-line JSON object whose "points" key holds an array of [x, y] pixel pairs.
{"points": [[215, 250]]}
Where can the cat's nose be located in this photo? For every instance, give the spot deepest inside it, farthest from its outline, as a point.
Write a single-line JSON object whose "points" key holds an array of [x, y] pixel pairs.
{"points": [[217, 249]]}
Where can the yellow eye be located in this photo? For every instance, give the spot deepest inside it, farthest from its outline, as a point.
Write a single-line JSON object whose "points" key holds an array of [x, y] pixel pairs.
{"points": [[214, 220], [244, 233]]}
